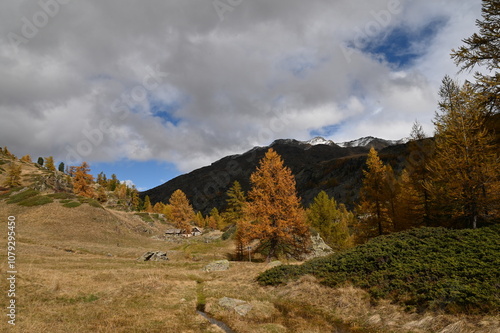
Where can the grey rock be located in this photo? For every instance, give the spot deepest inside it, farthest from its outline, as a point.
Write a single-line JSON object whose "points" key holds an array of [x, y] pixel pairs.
{"points": [[153, 256], [318, 248], [239, 306], [217, 266]]}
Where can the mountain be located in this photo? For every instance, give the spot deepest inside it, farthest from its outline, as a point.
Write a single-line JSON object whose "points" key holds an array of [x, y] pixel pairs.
{"points": [[318, 164]]}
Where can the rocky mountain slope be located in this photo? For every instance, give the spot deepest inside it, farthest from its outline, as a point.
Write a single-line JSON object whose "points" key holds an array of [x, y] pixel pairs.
{"points": [[317, 164]]}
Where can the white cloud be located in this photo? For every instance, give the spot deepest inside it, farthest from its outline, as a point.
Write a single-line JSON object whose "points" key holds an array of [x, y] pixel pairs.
{"points": [[270, 69]]}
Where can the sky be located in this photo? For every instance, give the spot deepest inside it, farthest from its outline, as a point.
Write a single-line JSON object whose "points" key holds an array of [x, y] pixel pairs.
{"points": [[152, 89]]}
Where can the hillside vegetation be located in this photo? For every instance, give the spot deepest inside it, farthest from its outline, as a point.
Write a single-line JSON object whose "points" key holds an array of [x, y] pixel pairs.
{"points": [[456, 271]]}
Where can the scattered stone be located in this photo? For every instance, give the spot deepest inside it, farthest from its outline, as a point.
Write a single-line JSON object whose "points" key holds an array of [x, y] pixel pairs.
{"points": [[217, 266], [274, 264], [153, 256], [239, 306]]}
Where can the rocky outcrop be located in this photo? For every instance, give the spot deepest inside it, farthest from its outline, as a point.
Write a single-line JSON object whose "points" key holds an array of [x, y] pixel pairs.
{"points": [[318, 248], [153, 256]]}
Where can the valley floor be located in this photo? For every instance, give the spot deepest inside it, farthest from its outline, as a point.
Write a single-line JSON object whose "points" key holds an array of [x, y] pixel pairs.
{"points": [[77, 272]]}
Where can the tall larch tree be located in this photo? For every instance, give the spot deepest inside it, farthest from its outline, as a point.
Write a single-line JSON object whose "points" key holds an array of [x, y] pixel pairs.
{"points": [[374, 197], [13, 177], [274, 209], [482, 50], [417, 168], [466, 165], [182, 212], [147, 204], [410, 210], [82, 181]]}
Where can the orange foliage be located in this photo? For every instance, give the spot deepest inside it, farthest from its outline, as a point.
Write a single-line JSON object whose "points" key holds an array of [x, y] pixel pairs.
{"points": [[274, 209]]}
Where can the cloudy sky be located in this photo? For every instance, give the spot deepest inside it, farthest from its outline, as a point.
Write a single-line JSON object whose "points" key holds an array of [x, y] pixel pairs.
{"points": [[151, 89]]}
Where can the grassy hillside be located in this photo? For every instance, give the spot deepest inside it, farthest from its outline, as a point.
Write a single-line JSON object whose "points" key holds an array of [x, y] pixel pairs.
{"points": [[457, 271]]}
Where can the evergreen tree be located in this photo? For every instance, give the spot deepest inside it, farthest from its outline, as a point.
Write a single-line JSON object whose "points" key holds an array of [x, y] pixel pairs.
{"points": [[40, 161], [236, 203], [49, 164], [466, 165], [82, 182], [182, 211], [61, 167], [482, 49], [13, 178], [330, 221], [274, 208]]}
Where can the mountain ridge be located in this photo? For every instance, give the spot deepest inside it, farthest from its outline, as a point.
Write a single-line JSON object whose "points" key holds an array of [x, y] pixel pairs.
{"points": [[317, 164]]}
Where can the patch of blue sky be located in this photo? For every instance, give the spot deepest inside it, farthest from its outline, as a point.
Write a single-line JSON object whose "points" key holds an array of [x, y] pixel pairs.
{"points": [[166, 111], [402, 45], [326, 131], [144, 174]]}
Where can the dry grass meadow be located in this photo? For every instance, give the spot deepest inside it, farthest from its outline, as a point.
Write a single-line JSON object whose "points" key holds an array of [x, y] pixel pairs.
{"points": [[77, 272]]}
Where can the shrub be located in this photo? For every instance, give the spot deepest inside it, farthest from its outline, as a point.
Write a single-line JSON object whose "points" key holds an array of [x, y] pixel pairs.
{"points": [[36, 201], [456, 271], [18, 197], [72, 204]]}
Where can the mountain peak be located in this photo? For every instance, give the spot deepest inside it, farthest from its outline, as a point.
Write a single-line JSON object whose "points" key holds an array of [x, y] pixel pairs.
{"points": [[319, 141]]}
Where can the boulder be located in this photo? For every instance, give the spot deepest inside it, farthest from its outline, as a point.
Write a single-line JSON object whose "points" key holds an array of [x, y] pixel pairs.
{"points": [[239, 306], [153, 256], [318, 248], [217, 266]]}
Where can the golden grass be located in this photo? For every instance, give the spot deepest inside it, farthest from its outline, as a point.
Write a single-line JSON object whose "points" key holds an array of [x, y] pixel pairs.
{"points": [[77, 273]]}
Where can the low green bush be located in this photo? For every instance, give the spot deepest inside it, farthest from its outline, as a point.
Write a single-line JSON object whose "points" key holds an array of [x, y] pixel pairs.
{"points": [[457, 271], [36, 201], [18, 197], [72, 204]]}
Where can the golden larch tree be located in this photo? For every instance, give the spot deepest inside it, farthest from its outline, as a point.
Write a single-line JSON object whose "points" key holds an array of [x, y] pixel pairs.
{"points": [[13, 178], [374, 197], [466, 164], [182, 212], [420, 149], [147, 204], [82, 181], [49, 164], [274, 208], [410, 210]]}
